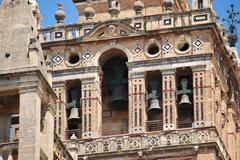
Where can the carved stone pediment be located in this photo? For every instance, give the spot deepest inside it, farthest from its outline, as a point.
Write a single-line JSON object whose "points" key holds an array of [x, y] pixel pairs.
{"points": [[111, 30]]}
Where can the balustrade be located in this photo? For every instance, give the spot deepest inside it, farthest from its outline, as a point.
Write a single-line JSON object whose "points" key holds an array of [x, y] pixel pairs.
{"points": [[190, 18], [150, 140]]}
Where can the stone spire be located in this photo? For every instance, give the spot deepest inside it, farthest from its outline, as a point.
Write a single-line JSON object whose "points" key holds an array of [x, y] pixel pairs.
{"points": [[60, 14]]}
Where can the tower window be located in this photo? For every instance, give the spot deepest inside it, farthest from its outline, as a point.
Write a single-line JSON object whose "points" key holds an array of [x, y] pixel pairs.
{"points": [[200, 4]]}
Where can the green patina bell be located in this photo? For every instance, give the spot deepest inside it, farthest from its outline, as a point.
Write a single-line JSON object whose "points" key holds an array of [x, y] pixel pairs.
{"points": [[74, 104], [153, 97], [185, 101]]}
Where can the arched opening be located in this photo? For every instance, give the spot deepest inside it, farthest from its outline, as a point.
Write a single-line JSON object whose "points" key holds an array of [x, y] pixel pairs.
{"points": [[154, 101], [74, 108], [185, 97], [114, 92]]}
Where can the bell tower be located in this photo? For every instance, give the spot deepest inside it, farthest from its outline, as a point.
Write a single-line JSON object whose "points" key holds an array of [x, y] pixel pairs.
{"points": [[24, 82], [199, 4]]}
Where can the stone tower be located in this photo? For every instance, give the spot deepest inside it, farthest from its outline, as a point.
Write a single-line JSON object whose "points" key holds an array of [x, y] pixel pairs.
{"points": [[26, 97], [135, 79]]}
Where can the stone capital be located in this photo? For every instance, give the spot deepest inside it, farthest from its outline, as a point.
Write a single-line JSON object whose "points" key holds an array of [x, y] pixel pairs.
{"points": [[168, 72], [199, 68], [59, 84], [134, 75], [88, 80]]}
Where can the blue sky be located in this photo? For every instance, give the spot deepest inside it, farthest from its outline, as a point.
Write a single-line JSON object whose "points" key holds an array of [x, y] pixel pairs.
{"points": [[49, 7]]}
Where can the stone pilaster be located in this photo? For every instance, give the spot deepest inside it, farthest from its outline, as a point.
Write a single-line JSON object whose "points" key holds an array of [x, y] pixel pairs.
{"points": [[48, 130], [30, 116], [231, 134], [61, 115], [169, 99], [203, 96], [137, 105], [91, 108]]}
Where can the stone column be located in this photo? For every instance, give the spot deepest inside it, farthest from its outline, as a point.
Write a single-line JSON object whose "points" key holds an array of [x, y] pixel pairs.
{"points": [[169, 99], [30, 116], [203, 96], [137, 106], [91, 108], [61, 115]]}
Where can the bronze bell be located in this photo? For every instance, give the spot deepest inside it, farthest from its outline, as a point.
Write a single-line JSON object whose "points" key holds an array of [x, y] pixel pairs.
{"points": [[185, 102], [154, 105], [119, 99], [74, 114]]}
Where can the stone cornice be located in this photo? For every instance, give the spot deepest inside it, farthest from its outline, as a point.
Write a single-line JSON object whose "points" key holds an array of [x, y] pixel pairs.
{"points": [[60, 73], [168, 61]]}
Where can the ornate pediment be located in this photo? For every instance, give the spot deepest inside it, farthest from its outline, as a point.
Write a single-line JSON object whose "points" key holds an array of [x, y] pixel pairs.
{"points": [[111, 30]]}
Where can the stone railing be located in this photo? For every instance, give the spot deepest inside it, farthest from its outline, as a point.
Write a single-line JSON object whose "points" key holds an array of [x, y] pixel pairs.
{"points": [[149, 141], [155, 22], [8, 151]]}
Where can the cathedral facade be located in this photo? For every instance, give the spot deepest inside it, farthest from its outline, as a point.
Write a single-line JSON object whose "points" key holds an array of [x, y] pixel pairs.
{"points": [[134, 80]]}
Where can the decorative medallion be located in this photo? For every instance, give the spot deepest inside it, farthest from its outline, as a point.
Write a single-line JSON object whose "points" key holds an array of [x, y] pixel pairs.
{"points": [[153, 141], [198, 43], [185, 138], [58, 59], [91, 148], [137, 50], [87, 55], [135, 142], [203, 136], [167, 47]]}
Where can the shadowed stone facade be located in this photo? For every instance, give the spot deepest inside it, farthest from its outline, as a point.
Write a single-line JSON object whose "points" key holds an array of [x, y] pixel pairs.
{"points": [[133, 79]]}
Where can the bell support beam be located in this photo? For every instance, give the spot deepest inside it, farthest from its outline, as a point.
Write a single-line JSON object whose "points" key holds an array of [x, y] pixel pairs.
{"points": [[91, 108], [203, 84], [61, 115], [169, 99], [137, 105]]}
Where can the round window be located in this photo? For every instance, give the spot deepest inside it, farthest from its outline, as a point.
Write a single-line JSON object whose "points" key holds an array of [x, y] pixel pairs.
{"points": [[73, 59], [182, 45], [153, 48]]}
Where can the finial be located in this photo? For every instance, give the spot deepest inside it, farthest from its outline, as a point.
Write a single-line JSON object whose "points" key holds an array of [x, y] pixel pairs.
{"points": [[232, 21], [73, 137], [89, 13], [60, 14], [167, 4], [114, 8], [138, 7]]}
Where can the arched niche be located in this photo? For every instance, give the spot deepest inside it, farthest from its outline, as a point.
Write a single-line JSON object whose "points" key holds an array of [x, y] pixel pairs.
{"points": [[114, 92]]}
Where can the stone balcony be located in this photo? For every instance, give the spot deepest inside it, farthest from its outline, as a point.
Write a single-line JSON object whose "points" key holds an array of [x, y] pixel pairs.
{"points": [[191, 139], [162, 22]]}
